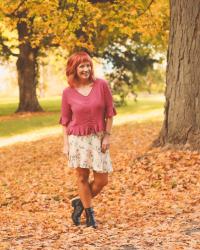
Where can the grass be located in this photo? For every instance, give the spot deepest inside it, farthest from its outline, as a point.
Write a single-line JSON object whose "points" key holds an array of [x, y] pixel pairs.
{"points": [[141, 106], [14, 124], [18, 126], [9, 105]]}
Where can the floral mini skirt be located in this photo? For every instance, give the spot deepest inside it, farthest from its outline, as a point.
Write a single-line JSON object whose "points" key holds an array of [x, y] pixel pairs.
{"points": [[85, 152]]}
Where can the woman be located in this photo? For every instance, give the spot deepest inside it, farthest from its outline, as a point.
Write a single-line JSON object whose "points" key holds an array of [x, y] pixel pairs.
{"points": [[86, 115]]}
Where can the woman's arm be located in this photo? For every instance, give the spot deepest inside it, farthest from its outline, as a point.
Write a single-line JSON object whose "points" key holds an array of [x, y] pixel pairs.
{"points": [[106, 138], [65, 137], [109, 122]]}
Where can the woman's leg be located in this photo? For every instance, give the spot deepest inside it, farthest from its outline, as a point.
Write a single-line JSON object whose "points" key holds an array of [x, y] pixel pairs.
{"points": [[83, 186], [86, 192], [100, 180]]}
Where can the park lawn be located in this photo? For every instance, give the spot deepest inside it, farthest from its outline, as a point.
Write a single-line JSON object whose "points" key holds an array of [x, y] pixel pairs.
{"points": [[9, 105], [13, 127], [13, 124]]}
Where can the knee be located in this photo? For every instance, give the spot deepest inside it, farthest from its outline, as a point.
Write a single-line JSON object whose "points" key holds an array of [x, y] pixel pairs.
{"points": [[82, 179]]}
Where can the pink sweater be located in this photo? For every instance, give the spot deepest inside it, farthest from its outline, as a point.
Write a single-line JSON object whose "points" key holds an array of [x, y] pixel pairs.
{"points": [[86, 114]]}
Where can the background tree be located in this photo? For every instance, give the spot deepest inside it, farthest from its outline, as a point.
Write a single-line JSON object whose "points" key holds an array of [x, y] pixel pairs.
{"points": [[153, 81], [132, 54], [32, 26], [182, 117], [130, 59]]}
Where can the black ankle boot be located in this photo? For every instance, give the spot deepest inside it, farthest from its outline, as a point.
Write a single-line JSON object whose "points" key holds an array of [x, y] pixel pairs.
{"points": [[78, 209], [90, 219]]}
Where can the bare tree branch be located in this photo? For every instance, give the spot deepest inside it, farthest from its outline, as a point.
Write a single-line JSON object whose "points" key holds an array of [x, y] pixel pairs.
{"points": [[6, 50], [147, 8], [100, 1], [14, 12], [72, 16], [46, 42]]}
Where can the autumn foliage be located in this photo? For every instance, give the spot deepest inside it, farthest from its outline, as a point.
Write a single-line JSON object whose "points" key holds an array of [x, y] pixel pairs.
{"points": [[152, 200]]}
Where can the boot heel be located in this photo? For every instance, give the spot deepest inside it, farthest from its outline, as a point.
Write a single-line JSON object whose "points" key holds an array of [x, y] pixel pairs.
{"points": [[90, 218]]}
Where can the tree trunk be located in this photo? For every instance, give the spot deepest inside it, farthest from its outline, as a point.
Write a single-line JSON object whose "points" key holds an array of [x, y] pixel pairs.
{"points": [[181, 125], [27, 68]]}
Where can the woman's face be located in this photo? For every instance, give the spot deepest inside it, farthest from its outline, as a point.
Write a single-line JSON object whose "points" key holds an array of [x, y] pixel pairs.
{"points": [[84, 70]]}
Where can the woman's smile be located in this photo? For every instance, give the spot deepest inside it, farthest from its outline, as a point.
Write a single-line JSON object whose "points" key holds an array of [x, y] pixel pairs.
{"points": [[84, 70]]}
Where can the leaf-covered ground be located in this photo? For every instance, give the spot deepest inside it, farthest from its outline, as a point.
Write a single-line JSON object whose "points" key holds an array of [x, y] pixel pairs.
{"points": [[152, 200]]}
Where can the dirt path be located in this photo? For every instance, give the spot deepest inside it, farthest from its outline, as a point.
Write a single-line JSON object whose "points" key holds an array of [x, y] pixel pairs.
{"points": [[152, 200], [56, 130]]}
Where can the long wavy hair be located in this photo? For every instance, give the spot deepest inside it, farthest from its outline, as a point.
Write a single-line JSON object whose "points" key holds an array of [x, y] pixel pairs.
{"points": [[72, 64]]}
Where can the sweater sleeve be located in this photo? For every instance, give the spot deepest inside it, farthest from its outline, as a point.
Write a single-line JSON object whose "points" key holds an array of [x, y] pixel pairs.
{"points": [[110, 109], [66, 113]]}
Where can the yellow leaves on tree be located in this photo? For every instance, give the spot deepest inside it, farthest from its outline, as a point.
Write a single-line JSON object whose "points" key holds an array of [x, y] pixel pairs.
{"points": [[83, 24]]}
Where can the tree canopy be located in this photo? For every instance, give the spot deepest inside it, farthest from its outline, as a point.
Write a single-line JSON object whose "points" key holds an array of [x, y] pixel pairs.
{"points": [[81, 24], [29, 27]]}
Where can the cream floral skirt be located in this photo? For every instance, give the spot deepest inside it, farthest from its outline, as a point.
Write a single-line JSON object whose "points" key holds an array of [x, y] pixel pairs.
{"points": [[85, 152]]}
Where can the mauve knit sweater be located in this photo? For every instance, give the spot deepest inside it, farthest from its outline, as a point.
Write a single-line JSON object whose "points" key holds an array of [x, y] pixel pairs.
{"points": [[86, 114]]}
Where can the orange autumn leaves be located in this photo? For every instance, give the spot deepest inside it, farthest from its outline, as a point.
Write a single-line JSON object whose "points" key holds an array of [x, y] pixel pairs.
{"points": [[152, 200]]}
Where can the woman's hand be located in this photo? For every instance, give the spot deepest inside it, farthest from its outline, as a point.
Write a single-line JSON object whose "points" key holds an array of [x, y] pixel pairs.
{"points": [[66, 149], [105, 144]]}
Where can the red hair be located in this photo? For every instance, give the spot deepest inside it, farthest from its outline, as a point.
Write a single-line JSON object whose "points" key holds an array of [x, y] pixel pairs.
{"points": [[72, 64]]}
